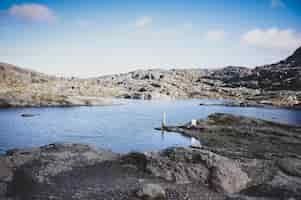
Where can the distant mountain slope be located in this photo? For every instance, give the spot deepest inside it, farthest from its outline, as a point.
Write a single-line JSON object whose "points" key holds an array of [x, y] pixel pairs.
{"points": [[294, 59], [26, 88], [285, 75], [275, 84], [12, 75]]}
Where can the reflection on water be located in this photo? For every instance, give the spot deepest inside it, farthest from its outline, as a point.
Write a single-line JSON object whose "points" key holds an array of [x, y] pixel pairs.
{"points": [[194, 142], [122, 128]]}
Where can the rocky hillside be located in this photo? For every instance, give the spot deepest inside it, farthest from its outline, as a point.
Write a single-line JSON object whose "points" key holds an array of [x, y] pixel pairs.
{"points": [[20, 87], [284, 75], [15, 76], [295, 59], [277, 84]]}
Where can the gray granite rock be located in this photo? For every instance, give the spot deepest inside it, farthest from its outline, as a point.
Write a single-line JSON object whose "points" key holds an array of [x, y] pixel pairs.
{"points": [[151, 192]]}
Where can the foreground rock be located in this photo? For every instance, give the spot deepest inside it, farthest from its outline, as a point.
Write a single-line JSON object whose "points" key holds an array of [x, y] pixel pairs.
{"points": [[268, 152], [72, 171], [188, 165]]}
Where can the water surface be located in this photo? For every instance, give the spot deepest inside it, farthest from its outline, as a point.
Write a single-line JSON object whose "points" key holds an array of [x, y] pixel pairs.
{"points": [[121, 128]]}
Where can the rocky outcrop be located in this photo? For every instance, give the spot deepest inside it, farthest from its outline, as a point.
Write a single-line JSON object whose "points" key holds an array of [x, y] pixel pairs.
{"points": [[268, 152], [184, 165], [74, 171], [284, 75], [24, 169], [295, 59], [232, 76]]}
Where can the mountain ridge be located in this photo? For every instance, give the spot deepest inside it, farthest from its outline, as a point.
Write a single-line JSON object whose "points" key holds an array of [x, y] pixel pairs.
{"points": [[273, 83]]}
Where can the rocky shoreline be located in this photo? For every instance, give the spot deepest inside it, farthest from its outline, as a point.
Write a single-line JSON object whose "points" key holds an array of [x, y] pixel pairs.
{"points": [[56, 101], [254, 104], [240, 159]]}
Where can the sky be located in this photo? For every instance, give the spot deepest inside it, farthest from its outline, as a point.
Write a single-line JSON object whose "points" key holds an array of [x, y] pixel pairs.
{"points": [[95, 37]]}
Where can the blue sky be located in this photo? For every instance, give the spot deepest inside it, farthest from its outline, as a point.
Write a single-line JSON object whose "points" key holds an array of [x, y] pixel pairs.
{"points": [[96, 37]]}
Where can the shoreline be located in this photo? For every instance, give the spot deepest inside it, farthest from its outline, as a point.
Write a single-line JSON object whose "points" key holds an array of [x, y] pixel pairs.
{"points": [[109, 101], [250, 104], [77, 101]]}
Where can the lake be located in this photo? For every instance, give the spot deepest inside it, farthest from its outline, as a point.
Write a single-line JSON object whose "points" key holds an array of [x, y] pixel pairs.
{"points": [[121, 128]]}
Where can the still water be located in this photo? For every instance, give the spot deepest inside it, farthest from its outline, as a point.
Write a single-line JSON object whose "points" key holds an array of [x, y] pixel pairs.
{"points": [[121, 128]]}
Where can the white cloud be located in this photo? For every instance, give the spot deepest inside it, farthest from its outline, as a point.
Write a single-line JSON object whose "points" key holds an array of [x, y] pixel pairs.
{"points": [[277, 4], [272, 38], [215, 35], [32, 12], [143, 21]]}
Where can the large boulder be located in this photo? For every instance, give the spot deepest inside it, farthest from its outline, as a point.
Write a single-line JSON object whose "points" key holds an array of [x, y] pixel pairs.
{"points": [[185, 165], [281, 186], [42, 163], [24, 172], [291, 166]]}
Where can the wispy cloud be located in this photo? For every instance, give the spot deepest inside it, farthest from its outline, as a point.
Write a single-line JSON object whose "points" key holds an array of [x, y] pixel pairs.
{"points": [[143, 21], [277, 4], [32, 12], [215, 35], [285, 39]]}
